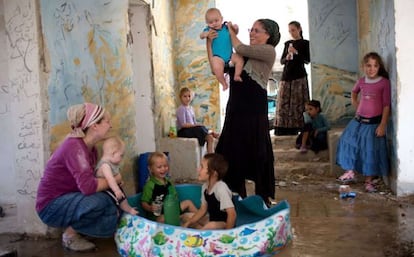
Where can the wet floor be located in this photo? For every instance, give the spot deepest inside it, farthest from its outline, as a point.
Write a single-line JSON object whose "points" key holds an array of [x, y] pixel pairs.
{"points": [[370, 225], [323, 225]]}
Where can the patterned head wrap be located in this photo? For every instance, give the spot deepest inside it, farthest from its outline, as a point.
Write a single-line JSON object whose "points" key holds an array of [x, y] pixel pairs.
{"points": [[272, 28], [82, 116]]}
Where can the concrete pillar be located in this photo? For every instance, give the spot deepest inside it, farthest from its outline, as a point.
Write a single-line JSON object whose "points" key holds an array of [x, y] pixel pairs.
{"points": [[22, 30]]}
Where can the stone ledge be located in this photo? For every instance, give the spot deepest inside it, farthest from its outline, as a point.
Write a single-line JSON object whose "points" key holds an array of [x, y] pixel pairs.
{"points": [[333, 137], [184, 154]]}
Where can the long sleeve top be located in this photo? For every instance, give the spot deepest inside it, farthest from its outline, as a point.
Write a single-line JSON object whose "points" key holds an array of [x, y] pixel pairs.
{"points": [[295, 68], [319, 122], [260, 61], [185, 115], [69, 169], [374, 96]]}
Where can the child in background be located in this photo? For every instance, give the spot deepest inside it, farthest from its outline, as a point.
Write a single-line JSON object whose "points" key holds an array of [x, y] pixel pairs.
{"points": [[314, 133], [362, 146], [108, 167], [187, 125], [216, 197], [219, 47], [159, 186]]}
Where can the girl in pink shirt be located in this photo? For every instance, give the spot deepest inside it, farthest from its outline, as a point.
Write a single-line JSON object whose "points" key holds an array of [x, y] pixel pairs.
{"points": [[362, 146]]}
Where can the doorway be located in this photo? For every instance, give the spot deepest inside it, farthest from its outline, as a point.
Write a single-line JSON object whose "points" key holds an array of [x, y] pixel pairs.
{"points": [[282, 12]]}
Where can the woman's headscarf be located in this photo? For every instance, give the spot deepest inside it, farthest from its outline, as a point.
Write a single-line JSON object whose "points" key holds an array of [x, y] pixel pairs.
{"points": [[272, 28], [82, 116]]}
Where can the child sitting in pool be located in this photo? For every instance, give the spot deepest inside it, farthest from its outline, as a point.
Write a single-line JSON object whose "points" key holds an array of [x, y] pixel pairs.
{"points": [[216, 197], [158, 187]]}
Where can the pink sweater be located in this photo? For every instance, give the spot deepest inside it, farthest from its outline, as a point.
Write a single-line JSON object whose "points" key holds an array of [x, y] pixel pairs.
{"points": [[69, 169], [374, 96]]}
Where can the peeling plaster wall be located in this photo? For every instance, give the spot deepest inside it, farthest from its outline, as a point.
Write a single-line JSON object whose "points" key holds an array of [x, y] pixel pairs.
{"points": [[89, 62], [180, 59], [142, 78], [23, 116], [7, 181], [333, 88], [191, 63], [162, 54], [32, 108], [405, 95], [334, 55], [376, 23]]}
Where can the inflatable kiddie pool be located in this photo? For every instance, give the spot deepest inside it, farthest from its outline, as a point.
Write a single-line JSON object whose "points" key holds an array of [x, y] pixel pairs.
{"points": [[259, 231]]}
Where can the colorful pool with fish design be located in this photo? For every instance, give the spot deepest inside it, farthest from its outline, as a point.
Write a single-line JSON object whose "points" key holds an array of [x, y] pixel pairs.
{"points": [[259, 231]]}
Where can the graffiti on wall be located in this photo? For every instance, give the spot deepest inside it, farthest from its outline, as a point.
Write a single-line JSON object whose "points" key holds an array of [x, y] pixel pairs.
{"points": [[23, 95], [333, 34]]}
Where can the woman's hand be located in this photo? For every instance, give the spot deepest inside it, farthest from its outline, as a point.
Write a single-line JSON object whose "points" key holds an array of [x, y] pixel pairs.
{"points": [[292, 50], [232, 28]]}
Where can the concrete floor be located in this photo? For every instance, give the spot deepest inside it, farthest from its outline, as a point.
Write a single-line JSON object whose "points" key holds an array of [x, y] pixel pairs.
{"points": [[376, 224], [323, 225]]}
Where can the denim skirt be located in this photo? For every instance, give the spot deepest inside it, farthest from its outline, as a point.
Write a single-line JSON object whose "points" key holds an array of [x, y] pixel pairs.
{"points": [[93, 215], [359, 149]]}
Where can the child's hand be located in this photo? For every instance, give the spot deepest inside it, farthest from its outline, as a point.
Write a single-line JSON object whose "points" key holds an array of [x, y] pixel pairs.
{"points": [[212, 34], [380, 131], [204, 34], [187, 224], [133, 211], [119, 195]]}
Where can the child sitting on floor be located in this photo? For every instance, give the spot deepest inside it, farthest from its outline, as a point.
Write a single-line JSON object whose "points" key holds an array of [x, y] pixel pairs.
{"points": [[314, 134]]}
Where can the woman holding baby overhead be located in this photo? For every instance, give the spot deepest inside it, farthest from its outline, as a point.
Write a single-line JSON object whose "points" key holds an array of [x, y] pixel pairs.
{"points": [[245, 140]]}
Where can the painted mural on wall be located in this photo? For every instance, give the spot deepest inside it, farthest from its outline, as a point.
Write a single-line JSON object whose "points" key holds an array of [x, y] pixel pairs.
{"points": [[193, 69], [162, 54], [86, 44], [334, 91]]}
